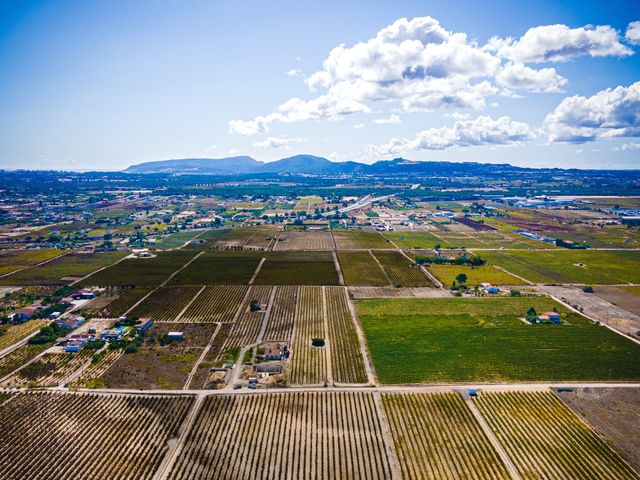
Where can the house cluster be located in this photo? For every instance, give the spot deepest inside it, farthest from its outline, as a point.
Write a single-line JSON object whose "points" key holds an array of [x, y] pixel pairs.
{"points": [[115, 334], [76, 342], [82, 294], [548, 317], [70, 323], [25, 313]]}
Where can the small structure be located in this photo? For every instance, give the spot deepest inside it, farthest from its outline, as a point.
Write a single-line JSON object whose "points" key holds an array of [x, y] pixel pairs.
{"points": [[276, 351], [175, 335], [70, 323], [25, 313], [114, 334], [489, 289], [549, 317], [268, 368], [144, 325], [83, 294], [76, 342]]}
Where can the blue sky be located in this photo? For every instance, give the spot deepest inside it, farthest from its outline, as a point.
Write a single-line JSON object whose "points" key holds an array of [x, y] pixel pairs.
{"points": [[102, 85]]}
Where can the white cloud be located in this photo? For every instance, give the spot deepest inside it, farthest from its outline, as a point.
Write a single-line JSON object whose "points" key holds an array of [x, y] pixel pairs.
{"points": [[418, 65], [392, 119], [359, 125], [630, 146], [483, 130], [273, 143], [608, 113], [559, 43], [633, 33], [294, 72], [517, 76]]}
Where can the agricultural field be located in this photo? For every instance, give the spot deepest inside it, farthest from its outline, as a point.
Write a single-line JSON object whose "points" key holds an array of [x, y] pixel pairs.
{"points": [[252, 238], [206, 240], [347, 363], [112, 436], [305, 435], [449, 340], [216, 303], [304, 240], [159, 367], [165, 303], [12, 260], [201, 377], [122, 299], [415, 239], [12, 334], [283, 314], [308, 363], [359, 240], [545, 439], [141, 272], [400, 270], [100, 363], [361, 268], [50, 370], [437, 437], [226, 268], [298, 268], [613, 412], [246, 328], [177, 240], [63, 270], [19, 357], [570, 266], [475, 275]]}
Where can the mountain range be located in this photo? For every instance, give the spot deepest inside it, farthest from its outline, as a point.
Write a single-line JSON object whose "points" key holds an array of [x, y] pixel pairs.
{"points": [[310, 164]]}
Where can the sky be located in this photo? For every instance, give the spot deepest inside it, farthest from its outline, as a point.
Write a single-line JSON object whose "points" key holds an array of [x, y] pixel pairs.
{"points": [[95, 85]]}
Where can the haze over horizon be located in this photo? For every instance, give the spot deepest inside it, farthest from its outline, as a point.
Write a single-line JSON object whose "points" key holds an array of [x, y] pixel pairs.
{"points": [[97, 86]]}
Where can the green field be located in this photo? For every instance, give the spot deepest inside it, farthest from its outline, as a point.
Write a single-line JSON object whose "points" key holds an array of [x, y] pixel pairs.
{"points": [[176, 240], [361, 268], [563, 266], [298, 268], [62, 270], [12, 260], [219, 267], [415, 239], [475, 275], [358, 239], [142, 272], [484, 340]]}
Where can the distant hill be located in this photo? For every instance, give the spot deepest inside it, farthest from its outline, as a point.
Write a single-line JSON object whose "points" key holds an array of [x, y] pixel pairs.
{"points": [[311, 164], [215, 166]]}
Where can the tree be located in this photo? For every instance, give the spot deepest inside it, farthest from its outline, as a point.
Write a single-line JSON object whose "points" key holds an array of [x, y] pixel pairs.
{"points": [[461, 278]]}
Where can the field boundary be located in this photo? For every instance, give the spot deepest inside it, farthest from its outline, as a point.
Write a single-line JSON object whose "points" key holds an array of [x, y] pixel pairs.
{"points": [[362, 341], [338, 268], [196, 365]]}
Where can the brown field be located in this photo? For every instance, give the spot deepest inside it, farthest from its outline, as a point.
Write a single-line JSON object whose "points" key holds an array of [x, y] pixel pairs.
{"points": [[308, 240]]}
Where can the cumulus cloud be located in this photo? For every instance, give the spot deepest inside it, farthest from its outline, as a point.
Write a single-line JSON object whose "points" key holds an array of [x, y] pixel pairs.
{"points": [[273, 143], [633, 33], [359, 125], [392, 119], [294, 72], [419, 65], [559, 43], [609, 113], [482, 130], [517, 76], [630, 146]]}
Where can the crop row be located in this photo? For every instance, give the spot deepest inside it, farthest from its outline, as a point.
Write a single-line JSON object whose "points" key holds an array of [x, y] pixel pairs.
{"points": [[18, 357], [308, 363], [50, 370], [123, 300], [545, 439], [217, 303], [247, 327], [287, 436], [165, 303], [18, 332], [283, 314], [51, 436]]}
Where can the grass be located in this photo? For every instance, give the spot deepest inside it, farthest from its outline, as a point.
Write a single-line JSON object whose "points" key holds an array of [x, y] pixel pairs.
{"points": [[142, 272], [62, 270], [475, 275], [562, 266], [298, 268], [219, 267], [484, 340]]}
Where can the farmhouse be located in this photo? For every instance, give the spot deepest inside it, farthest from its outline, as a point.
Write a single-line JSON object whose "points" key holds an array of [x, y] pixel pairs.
{"points": [[83, 294], [175, 335], [70, 323], [144, 325], [25, 313], [548, 317], [276, 351], [114, 334]]}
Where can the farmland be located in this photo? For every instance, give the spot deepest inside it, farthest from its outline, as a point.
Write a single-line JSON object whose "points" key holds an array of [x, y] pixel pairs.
{"points": [[19, 357], [298, 268], [13, 334], [141, 272], [361, 268], [400, 270], [216, 303], [247, 327], [50, 370], [437, 437], [484, 340], [309, 364], [306, 435], [475, 275], [347, 363], [224, 268], [165, 303], [62, 270], [546, 439], [113, 436], [415, 239], [12, 260], [570, 266], [122, 300], [309, 240], [283, 314], [359, 239]]}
